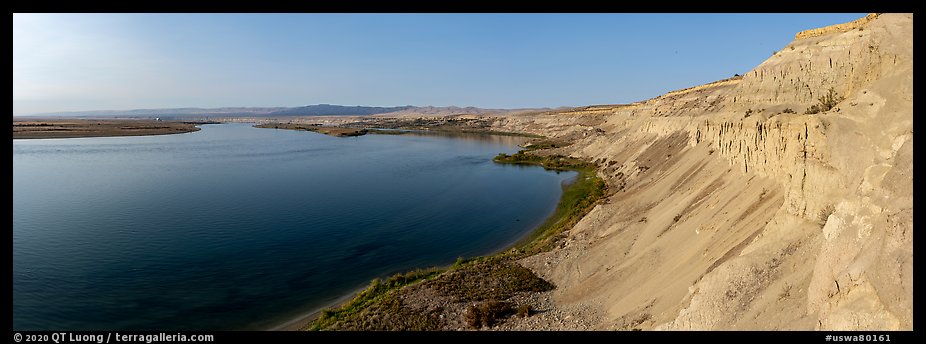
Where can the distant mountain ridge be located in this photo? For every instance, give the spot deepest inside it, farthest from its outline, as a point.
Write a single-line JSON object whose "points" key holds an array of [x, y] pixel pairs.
{"points": [[337, 110], [225, 111], [445, 111], [308, 110]]}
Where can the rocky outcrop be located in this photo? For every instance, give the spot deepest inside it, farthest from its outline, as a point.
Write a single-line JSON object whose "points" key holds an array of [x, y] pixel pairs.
{"points": [[734, 208]]}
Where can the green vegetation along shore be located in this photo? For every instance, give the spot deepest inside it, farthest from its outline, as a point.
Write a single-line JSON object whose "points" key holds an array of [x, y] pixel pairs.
{"points": [[578, 198], [474, 292]]}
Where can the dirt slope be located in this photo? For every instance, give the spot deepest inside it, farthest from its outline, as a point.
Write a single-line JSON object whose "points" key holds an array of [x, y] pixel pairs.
{"points": [[735, 209]]}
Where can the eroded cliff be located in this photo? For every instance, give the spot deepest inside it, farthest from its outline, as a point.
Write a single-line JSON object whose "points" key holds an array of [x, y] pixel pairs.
{"points": [[750, 203]]}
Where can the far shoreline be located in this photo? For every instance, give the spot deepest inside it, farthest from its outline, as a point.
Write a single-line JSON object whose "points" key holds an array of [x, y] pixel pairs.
{"points": [[390, 126]]}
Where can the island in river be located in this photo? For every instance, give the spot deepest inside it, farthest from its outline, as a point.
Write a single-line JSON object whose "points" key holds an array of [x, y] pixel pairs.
{"points": [[70, 128]]}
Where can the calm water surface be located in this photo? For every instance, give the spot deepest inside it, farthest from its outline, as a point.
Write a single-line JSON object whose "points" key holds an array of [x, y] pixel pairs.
{"points": [[235, 227]]}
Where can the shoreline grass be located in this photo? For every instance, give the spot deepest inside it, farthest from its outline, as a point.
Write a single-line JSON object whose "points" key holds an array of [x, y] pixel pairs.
{"points": [[498, 269], [577, 199]]}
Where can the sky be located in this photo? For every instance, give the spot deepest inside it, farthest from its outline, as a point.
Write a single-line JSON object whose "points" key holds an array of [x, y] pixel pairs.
{"points": [[79, 62]]}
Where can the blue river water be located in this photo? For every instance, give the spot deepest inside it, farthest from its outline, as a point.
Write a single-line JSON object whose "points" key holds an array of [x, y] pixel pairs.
{"points": [[235, 227]]}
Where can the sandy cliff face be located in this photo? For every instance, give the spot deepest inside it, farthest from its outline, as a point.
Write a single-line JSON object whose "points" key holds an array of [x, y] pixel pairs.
{"points": [[733, 209]]}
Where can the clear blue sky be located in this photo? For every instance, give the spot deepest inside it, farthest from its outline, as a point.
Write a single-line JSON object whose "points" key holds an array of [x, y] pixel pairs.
{"points": [[65, 62]]}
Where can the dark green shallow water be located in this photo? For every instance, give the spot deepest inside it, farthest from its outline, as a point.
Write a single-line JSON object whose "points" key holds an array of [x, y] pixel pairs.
{"points": [[235, 227]]}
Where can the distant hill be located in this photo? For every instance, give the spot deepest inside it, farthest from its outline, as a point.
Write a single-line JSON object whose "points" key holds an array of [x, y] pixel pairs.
{"points": [[337, 110], [444, 111], [435, 111], [175, 112], [308, 110]]}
